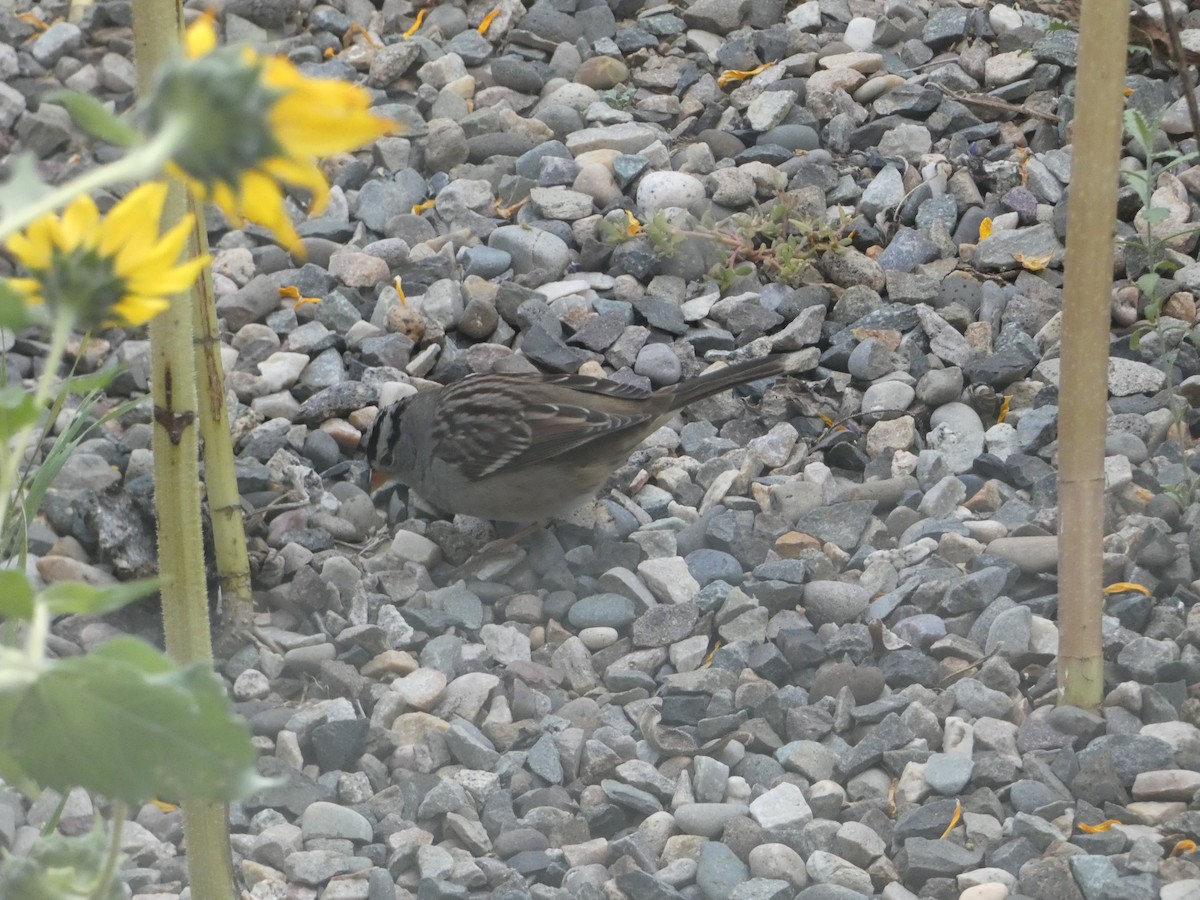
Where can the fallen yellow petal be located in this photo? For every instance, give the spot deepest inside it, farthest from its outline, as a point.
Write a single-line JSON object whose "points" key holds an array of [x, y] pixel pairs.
{"points": [[400, 290], [632, 226], [31, 19], [1103, 826], [1004, 408], [355, 29], [954, 819], [985, 228], [1122, 587], [417, 24], [1183, 847], [729, 76], [713, 652], [419, 208], [1033, 263], [291, 292], [486, 22]]}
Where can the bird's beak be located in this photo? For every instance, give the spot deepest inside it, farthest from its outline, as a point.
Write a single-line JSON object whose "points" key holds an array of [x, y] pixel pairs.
{"points": [[378, 480]]}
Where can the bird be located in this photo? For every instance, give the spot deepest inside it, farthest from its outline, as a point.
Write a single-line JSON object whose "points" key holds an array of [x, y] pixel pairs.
{"points": [[531, 447]]}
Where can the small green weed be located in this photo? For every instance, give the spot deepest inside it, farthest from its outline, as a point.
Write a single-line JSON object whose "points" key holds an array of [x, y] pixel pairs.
{"points": [[771, 239]]}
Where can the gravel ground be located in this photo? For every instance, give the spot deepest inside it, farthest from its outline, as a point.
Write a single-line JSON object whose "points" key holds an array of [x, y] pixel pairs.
{"points": [[773, 659]]}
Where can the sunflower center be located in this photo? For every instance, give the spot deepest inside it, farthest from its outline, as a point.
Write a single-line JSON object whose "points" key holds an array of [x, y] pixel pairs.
{"points": [[227, 109], [84, 281]]}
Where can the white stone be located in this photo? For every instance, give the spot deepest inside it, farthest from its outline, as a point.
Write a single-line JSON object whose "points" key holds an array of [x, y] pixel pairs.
{"points": [[779, 861], [598, 637], [860, 33], [281, 369], [806, 15], [1005, 68], [769, 109], [990, 891], [663, 190], [1004, 19], [781, 808], [669, 579], [421, 689]]}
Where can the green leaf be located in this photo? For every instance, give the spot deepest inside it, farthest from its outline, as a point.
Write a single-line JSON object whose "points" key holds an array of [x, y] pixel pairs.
{"points": [[16, 675], [91, 117], [14, 312], [17, 411], [68, 597], [93, 381], [57, 867], [125, 722], [24, 185], [16, 595], [1156, 214]]}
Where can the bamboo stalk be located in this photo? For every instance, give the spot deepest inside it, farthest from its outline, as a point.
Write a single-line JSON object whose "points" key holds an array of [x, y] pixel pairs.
{"points": [[157, 25], [1091, 219]]}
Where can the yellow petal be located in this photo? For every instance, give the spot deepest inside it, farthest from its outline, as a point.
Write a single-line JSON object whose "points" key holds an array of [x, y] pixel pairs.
{"points": [[168, 282], [155, 261], [985, 228], [200, 37], [30, 287], [415, 25], [1103, 826], [319, 116], [486, 22], [262, 202], [954, 819], [302, 173], [33, 248], [1005, 406], [79, 224], [223, 195], [729, 76], [1122, 587], [134, 221], [1033, 263], [131, 310]]}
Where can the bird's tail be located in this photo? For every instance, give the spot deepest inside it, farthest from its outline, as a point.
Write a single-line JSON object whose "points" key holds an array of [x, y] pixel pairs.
{"points": [[742, 372]]}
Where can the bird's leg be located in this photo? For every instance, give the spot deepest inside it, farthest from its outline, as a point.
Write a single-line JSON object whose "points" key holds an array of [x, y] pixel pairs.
{"points": [[494, 549]]}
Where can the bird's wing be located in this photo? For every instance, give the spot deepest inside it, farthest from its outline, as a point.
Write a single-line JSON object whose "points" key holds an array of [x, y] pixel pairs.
{"points": [[491, 423]]}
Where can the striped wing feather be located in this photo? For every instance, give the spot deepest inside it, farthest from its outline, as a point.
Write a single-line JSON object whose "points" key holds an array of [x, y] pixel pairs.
{"points": [[491, 423]]}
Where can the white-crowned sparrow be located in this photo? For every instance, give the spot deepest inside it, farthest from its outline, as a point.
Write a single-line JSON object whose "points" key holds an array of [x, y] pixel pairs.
{"points": [[523, 448]]}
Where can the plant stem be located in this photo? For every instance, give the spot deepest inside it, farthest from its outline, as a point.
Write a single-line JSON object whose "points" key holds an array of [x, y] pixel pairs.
{"points": [[15, 453], [136, 165], [113, 856], [157, 25], [35, 641], [220, 477]]}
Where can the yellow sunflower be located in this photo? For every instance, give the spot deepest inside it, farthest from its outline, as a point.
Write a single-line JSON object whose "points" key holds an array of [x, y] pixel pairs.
{"points": [[110, 270], [258, 124]]}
